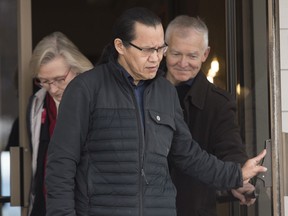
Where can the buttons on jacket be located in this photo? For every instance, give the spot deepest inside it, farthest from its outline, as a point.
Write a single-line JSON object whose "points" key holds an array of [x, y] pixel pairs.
{"points": [[158, 118], [161, 118]]}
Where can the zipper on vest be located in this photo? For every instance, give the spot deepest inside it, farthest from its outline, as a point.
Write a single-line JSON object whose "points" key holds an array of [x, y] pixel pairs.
{"points": [[141, 148], [144, 176], [143, 140]]}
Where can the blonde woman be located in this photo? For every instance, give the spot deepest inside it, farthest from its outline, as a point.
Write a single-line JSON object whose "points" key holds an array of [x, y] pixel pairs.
{"points": [[54, 63]]}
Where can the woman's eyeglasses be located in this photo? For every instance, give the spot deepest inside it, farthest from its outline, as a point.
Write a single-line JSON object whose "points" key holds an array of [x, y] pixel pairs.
{"points": [[58, 81]]}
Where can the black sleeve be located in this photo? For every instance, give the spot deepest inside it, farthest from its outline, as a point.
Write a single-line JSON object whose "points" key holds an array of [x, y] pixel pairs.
{"points": [[188, 156]]}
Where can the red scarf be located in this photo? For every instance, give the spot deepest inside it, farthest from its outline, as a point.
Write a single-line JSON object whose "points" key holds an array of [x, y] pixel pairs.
{"points": [[52, 115]]}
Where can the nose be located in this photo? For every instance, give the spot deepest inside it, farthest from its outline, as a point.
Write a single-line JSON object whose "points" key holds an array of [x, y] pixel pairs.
{"points": [[155, 56], [183, 61], [52, 88]]}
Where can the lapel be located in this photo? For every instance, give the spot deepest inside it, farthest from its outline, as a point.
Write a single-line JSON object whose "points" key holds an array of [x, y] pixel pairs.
{"points": [[198, 91]]}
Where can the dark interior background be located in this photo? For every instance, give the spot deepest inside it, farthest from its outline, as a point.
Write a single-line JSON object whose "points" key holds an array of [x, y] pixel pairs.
{"points": [[88, 23]]}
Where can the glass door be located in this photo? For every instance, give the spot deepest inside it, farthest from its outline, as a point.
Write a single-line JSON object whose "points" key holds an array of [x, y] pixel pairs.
{"points": [[247, 44], [9, 128]]}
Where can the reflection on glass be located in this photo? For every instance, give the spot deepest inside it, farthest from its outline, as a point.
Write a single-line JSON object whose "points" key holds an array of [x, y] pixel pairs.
{"points": [[213, 70], [5, 186]]}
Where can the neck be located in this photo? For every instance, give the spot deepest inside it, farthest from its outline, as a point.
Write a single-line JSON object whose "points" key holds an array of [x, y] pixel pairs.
{"points": [[171, 79], [125, 66]]}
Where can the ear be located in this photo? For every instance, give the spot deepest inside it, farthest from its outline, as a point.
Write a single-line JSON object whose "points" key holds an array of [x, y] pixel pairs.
{"points": [[119, 45], [206, 54], [165, 53]]}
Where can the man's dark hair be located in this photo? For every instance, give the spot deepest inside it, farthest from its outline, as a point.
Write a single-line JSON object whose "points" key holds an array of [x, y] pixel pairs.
{"points": [[124, 28]]}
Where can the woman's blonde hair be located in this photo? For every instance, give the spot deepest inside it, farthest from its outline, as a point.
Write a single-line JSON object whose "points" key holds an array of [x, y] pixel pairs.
{"points": [[55, 45]]}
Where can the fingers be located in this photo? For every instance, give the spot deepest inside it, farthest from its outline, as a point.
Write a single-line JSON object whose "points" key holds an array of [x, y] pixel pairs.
{"points": [[248, 202], [243, 194], [247, 188], [252, 168], [238, 195], [260, 156], [242, 199]]}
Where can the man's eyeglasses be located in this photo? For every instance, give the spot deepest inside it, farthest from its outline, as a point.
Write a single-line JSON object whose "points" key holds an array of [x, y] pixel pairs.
{"points": [[149, 51], [58, 81]]}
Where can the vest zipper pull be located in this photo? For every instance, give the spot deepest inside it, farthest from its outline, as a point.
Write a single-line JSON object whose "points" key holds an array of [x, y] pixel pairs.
{"points": [[144, 176]]}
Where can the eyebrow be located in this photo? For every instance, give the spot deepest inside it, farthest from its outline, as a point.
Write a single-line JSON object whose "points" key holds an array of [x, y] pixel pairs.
{"points": [[189, 53], [50, 78]]}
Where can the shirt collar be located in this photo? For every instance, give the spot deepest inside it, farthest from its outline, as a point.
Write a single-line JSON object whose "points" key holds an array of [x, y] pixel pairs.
{"points": [[188, 82], [129, 77]]}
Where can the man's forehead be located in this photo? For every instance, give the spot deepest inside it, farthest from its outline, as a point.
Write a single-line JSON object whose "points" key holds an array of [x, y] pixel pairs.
{"points": [[139, 26], [149, 33]]}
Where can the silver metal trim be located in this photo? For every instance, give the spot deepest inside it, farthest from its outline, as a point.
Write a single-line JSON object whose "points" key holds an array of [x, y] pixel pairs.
{"points": [[275, 105]]}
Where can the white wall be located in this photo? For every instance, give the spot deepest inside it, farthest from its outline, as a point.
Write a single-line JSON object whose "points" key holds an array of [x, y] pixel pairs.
{"points": [[283, 6], [286, 205]]}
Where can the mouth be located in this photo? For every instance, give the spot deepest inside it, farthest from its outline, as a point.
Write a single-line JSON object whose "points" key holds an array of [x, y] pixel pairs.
{"points": [[182, 70], [153, 68]]}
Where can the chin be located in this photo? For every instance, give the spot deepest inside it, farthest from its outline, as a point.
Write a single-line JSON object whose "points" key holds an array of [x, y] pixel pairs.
{"points": [[57, 99], [182, 78], [151, 75]]}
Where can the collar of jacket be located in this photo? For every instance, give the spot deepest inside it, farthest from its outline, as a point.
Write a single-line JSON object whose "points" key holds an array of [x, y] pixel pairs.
{"points": [[197, 93], [119, 68], [39, 100]]}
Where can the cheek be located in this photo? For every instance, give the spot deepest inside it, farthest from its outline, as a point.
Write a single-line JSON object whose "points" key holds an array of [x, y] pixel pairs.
{"points": [[139, 65], [171, 61], [60, 90], [69, 80], [196, 64]]}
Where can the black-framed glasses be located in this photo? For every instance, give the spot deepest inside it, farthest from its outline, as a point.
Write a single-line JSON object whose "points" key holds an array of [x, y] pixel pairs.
{"points": [[150, 50], [58, 81]]}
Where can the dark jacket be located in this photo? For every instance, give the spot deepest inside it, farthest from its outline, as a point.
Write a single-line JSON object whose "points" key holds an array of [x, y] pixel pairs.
{"points": [[100, 160], [210, 113]]}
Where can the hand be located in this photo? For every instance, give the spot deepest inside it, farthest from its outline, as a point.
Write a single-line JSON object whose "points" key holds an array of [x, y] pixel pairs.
{"points": [[251, 168], [240, 193]]}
